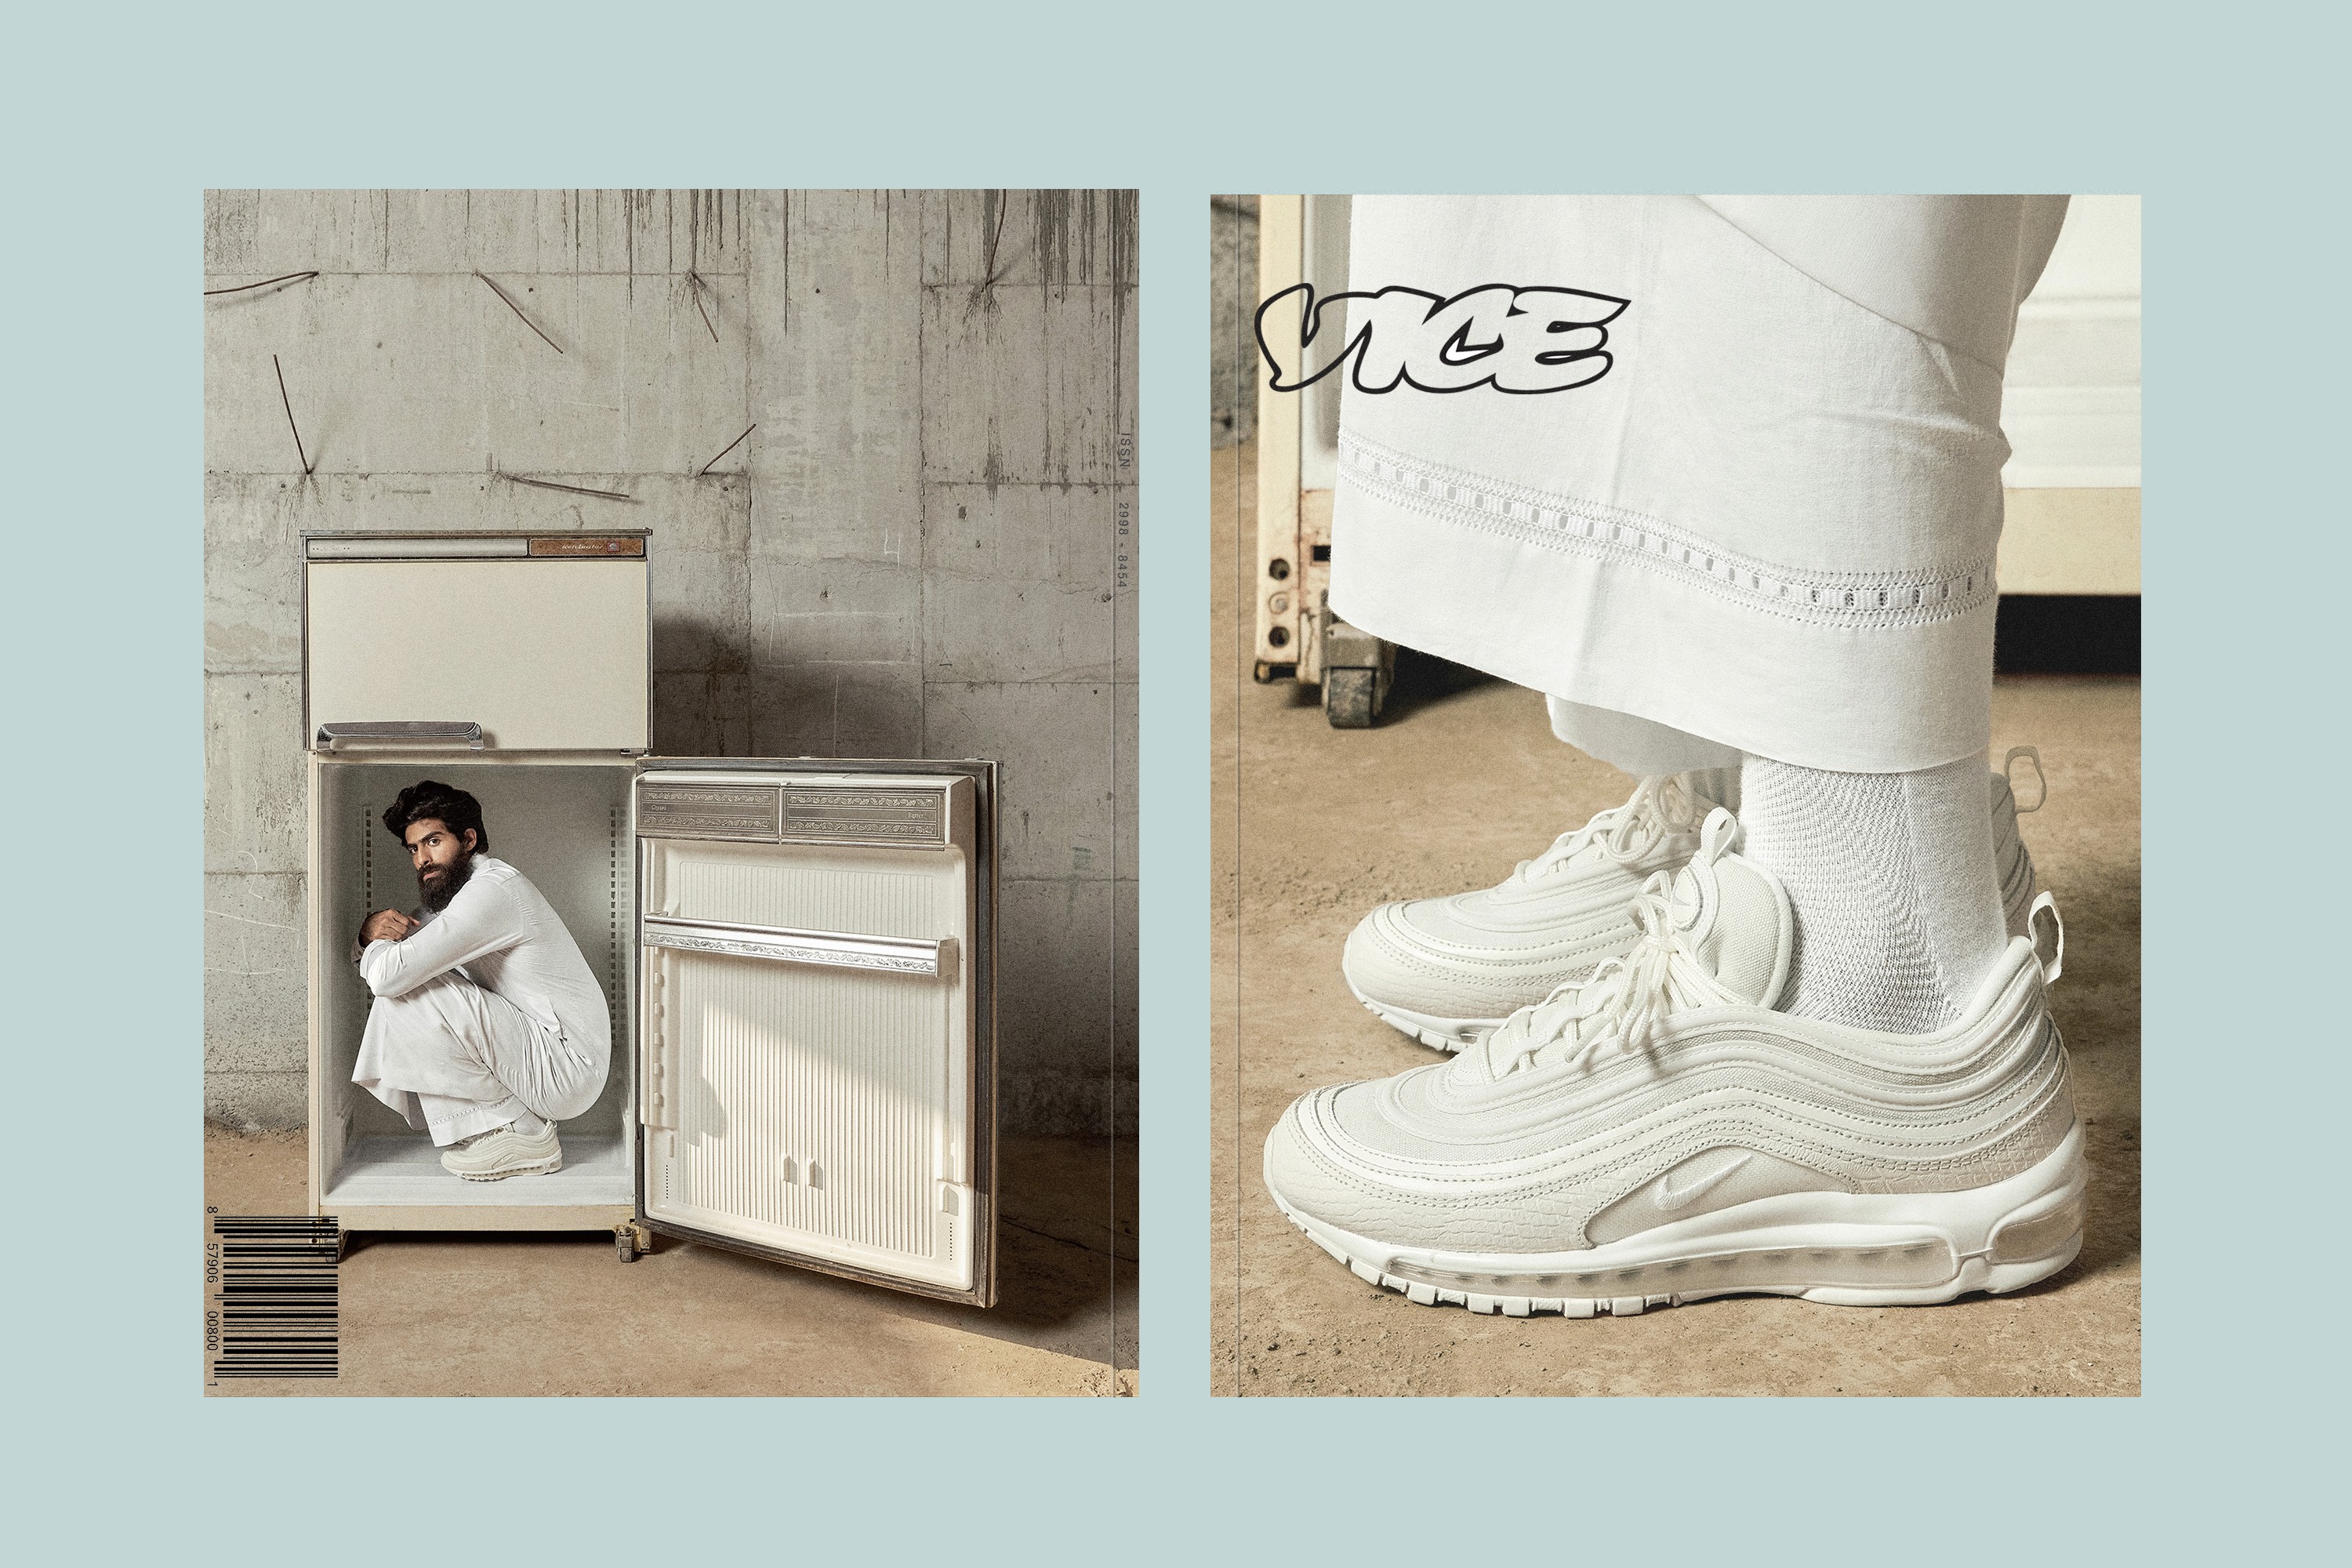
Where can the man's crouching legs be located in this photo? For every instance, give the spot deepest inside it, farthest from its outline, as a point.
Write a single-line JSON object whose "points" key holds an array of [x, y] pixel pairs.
{"points": [[432, 1054]]}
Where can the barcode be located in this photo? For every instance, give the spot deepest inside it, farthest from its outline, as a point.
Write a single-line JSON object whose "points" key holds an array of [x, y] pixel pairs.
{"points": [[270, 1296]]}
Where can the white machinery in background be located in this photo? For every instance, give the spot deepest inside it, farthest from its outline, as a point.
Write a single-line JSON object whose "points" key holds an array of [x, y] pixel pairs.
{"points": [[1304, 239], [799, 955]]}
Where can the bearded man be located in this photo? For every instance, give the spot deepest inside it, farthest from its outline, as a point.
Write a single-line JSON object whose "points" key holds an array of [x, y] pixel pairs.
{"points": [[487, 1026]]}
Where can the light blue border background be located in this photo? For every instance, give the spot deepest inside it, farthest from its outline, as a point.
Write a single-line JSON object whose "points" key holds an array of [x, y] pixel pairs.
{"points": [[117, 125]]}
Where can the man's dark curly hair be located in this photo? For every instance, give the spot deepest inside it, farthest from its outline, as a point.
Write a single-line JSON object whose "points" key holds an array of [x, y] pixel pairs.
{"points": [[429, 799]]}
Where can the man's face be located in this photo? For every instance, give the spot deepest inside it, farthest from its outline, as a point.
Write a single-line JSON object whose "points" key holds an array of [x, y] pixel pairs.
{"points": [[442, 859]]}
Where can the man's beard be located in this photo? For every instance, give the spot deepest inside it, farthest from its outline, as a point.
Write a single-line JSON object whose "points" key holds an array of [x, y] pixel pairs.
{"points": [[438, 891]]}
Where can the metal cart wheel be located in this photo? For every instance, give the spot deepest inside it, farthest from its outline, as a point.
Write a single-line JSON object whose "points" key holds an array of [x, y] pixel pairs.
{"points": [[1357, 669], [628, 1244], [1352, 697]]}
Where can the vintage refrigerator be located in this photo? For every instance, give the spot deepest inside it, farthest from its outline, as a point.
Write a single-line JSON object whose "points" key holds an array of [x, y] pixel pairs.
{"points": [[798, 954]]}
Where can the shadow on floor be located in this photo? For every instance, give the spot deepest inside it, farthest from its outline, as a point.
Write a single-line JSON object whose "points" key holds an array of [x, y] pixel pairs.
{"points": [[1422, 680], [518, 1313]]}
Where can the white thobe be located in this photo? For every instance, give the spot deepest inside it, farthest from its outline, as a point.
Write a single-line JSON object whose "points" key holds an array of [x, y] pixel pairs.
{"points": [[1768, 527], [487, 1009]]}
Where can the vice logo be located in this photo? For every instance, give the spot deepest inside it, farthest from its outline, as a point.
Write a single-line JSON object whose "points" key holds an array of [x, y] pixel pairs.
{"points": [[1524, 341]]}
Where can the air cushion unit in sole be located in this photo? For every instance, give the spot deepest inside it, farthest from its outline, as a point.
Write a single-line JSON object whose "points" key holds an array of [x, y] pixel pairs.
{"points": [[1862, 1250], [545, 1168]]}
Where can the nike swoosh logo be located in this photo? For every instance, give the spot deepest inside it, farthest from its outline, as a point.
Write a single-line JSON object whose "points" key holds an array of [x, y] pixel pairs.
{"points": [[1670, 1198]]}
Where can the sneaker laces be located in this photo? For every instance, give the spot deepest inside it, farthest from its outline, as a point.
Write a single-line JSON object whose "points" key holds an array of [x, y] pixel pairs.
{"points": [[1619, 1007], [1660, 804], [1624, 1004]]}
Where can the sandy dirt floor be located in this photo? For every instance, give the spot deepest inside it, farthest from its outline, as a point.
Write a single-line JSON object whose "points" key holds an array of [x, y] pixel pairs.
{"points": [[458, 1314], [1461, 780]]}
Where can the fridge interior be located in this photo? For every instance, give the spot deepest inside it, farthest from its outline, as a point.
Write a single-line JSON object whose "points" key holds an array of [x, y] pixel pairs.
{"points": [[566, 828]]}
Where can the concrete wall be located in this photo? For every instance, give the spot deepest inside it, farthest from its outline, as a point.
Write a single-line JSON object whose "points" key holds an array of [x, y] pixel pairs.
{"points": [[918, 552], [1233, 305]]}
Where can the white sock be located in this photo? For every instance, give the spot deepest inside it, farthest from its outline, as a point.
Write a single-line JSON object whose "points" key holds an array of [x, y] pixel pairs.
{"points": [[528, 1125], [1891, 876]]}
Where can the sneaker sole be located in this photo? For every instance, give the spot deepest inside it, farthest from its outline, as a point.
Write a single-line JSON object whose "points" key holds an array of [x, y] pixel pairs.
{"points": [[541, 1168], [1443, 1034], [1845, 1249]]}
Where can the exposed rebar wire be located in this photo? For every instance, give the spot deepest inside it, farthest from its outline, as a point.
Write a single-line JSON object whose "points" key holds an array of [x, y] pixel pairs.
{"points": [[988, 273], [290, 415], [518, 309], [988, 264], [694, 286], [727, 448], [288, 278], [575, 490]]}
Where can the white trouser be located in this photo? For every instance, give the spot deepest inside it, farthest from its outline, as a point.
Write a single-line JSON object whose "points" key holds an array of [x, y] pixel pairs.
{"points": [[456, 1059], [1767, 527]]}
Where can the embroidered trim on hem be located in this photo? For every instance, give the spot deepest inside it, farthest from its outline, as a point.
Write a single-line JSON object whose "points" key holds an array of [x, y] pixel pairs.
{"points": [[1613, 535]]}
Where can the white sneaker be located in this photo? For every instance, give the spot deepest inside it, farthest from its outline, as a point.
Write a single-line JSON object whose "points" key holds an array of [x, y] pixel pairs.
{"points": [[1448, 971], [502, 1151], [1659, 1134]]}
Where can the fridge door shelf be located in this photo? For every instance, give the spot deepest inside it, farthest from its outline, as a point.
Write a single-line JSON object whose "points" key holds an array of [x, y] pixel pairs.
{"points": [[839, 949]]}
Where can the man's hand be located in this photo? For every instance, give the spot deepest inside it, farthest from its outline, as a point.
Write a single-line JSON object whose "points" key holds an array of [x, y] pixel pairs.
{"points": [[386, 925]]}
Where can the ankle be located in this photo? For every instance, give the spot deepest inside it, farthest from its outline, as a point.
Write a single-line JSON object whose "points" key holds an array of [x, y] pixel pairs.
{"points": [[1891, 880]]}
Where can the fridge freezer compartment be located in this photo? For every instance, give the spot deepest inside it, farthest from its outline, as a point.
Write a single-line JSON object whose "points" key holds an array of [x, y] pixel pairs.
{"points": [[564, 826], [541, 653]]}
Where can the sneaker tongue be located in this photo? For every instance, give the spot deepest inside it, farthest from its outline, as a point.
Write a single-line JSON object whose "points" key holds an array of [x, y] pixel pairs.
{"points": [[1737, 920], [1733, 933]]}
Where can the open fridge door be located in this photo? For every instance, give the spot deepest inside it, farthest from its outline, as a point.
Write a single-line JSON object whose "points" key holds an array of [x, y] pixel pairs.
{"points": [[816, 1050]]}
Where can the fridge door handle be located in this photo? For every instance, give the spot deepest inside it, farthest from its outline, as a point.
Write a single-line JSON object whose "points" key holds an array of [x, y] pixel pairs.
{"points": [[839, 949], [330, 735]]}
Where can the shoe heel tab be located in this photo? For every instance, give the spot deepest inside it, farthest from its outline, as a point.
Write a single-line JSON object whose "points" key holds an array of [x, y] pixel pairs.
{"points": [[2040, 779], [1719, 834], [2053, 963]]}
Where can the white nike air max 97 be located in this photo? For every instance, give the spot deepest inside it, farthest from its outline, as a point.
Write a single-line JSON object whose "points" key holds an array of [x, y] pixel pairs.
{"points": [[1657, 1133], [504, 1151], [1448, 971]]}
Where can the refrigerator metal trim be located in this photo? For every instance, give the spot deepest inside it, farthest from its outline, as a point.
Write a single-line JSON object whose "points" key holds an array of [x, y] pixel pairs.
{"points": [[783, 944], [417, 730], [309, 534]]}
